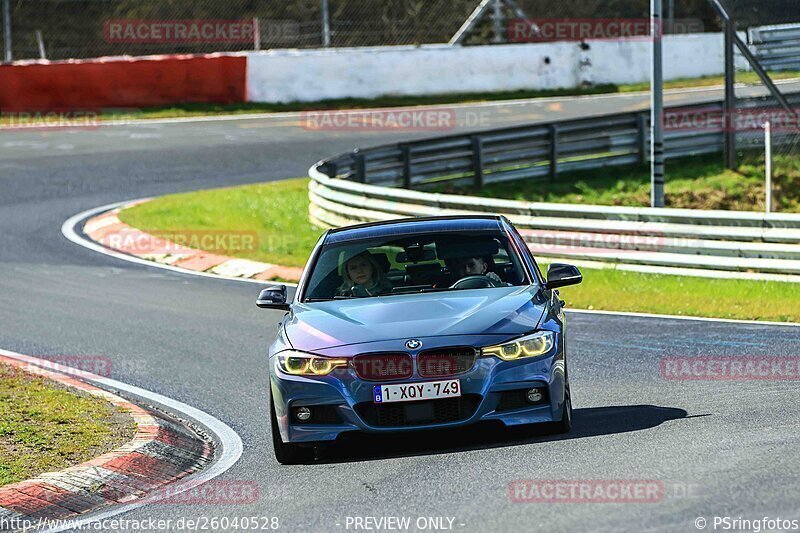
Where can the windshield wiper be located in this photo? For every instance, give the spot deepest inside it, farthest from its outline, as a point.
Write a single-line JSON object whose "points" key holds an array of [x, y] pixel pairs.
{"points": [[440, 289], [329, 299], [419, 289]]}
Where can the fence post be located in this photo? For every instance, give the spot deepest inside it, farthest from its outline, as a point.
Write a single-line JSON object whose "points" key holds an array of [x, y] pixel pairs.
{"points": [[497, 22], [405, 150], [730, 95], [326, 25], [40, 42], [642, 126], [361, 167], [768, 163], [9, 56], [256, 34], [477, 160], [656, 106], [553, 151]]}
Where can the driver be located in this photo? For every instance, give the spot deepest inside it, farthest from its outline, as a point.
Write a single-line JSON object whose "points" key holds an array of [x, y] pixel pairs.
{"points": [[363, 276], [474, 266]]}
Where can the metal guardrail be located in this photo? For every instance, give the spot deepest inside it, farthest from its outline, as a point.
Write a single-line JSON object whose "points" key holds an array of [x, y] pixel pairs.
{"points": [[642, 237], [540, 151], [777, 47], [377, 184]]}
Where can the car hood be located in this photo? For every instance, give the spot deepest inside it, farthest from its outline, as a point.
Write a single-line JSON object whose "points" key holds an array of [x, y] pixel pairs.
{"points": [[498, 311]]}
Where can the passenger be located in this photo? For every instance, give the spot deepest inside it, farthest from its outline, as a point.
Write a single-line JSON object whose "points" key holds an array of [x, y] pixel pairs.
{"points": [[476, 266], [363, 276]]}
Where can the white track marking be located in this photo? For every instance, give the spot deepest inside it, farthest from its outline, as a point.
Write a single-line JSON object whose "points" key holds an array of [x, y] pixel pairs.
{"points": [[494, 103], [229, 440], [679, 317], [68, 230]]}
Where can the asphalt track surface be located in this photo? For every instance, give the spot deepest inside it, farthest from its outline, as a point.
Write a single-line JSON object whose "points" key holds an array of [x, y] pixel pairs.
{"points": [[721, 448]]}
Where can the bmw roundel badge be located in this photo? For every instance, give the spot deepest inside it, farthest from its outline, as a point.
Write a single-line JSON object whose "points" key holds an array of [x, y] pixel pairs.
{"points": [[413, 344]]}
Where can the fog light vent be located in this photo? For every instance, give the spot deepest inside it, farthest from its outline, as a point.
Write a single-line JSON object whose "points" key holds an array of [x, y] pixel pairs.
{"points": [[535, 396], [302, 413]]}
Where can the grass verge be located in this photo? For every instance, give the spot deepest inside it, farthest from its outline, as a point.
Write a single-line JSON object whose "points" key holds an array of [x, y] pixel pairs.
{"points": [[278, 212], [618, 290], [704, 183], [193, 110], [46, 427]]}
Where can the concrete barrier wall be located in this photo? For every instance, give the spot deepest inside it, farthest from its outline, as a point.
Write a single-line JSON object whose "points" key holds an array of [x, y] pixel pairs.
{"points": [[311, 75], [123, 82], [685, 56]]}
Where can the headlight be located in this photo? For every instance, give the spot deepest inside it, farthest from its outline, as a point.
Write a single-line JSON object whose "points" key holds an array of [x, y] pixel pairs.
{"points": [[304, 364], [538, 343]]}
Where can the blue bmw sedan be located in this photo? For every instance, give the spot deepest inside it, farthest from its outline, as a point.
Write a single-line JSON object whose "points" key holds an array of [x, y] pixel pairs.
{"points": [[414, 324]]}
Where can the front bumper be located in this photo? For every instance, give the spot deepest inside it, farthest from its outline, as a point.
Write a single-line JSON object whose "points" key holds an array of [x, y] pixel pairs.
{"points": [[486, 391]]}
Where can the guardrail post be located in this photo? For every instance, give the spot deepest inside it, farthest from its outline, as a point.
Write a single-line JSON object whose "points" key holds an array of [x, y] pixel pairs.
{"points": [[405, 150], [331, 169], [553, 151], [641, 120], [477, 160], [360, 167]]}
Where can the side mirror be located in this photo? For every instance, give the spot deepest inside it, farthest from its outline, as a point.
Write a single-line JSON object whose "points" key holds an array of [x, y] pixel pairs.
{"points": [[560, 275], [273, 297]]}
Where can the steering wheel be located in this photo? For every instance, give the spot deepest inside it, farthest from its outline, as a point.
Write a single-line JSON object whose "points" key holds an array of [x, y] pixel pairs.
{"points": [[478, 281]]}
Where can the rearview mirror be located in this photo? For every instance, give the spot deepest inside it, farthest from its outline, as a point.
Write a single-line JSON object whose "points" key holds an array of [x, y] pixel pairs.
{"points": [[273, 297], [561, 275]]}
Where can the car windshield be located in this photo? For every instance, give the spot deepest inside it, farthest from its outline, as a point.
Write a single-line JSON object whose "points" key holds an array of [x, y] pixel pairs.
{"points": [[414, 264]]}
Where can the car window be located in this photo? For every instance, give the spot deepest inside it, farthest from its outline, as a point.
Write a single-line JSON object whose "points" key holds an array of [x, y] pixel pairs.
{"points": [[414, 264]]}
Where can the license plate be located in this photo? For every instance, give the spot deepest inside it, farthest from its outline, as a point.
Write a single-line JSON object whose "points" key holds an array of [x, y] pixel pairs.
{"points": [[409, 392]]}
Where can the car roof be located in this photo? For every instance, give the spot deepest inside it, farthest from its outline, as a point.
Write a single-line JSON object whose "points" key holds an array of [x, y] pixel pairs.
{"points": [[413, 226]]}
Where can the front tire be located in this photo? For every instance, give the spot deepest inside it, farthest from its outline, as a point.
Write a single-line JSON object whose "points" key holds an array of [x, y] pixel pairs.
{"points": [[565, 424], [285, 453]]}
